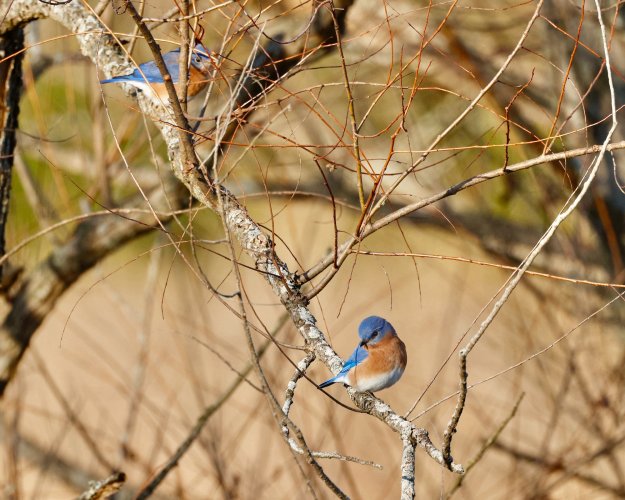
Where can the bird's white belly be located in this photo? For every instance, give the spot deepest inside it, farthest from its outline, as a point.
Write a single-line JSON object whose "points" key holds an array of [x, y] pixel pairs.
{"points": [[377, 382]]}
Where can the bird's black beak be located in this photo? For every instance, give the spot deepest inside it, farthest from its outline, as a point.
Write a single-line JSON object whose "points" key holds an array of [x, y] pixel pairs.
{"points": [[363, 343]]}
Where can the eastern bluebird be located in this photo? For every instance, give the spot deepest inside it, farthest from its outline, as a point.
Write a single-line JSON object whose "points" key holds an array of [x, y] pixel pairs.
{"points": [[148, 77], [378, 361]]}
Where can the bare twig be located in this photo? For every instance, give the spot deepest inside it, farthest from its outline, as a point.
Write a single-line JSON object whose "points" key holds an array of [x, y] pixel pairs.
{"points": [[105, 488], [172, 462], [302, 366], [487, 444], [352, 113], [183, 63]]}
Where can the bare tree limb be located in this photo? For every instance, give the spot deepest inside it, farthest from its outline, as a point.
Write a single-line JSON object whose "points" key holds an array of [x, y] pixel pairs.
{"points": [[301, 368], [105, 488], [487, 444]]}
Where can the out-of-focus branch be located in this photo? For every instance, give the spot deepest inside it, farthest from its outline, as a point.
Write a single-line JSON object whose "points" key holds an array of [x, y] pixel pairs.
{"points": [[487, 444], [91, 241], [11, 55], [200, 423], [558, 465], [73, 475]]}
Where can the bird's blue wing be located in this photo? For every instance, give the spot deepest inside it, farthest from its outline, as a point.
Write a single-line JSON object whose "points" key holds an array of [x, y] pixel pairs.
{"points": [[172, 61], [357, 357], [151, 73]]}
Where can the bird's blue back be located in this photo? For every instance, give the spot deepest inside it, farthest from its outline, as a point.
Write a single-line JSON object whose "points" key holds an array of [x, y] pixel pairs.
{"points": [[149, 72]]}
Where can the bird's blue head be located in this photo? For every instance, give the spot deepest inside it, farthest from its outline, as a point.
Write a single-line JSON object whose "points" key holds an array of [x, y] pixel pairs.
{"points": [[202, 58], [373, 329]]}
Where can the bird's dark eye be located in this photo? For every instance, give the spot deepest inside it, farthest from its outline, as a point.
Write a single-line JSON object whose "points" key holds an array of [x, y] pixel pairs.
{"points": [[374, 334], [197, 59]]}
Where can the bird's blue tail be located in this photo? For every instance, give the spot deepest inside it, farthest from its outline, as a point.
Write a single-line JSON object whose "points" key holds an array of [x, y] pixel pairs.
{"points": [[327, 383]]}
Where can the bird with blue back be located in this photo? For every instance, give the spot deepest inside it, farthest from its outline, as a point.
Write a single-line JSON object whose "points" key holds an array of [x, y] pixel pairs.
{"points": [[147, 76], [378, 361]]}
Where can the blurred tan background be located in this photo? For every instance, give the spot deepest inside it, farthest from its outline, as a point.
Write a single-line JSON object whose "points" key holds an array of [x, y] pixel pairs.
{"points": [[134, 352]]}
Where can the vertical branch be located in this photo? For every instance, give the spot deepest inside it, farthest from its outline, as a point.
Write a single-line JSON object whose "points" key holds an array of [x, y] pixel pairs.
{"points": [[183, 69], [407, 466], [550, 139], [300, 371], [352, 112], [489, 442], [462, 397], [10, 90]]}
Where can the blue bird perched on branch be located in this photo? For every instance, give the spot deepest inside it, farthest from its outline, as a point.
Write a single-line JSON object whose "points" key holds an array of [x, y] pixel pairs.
{"points": [[378, 361], [148, 77]]}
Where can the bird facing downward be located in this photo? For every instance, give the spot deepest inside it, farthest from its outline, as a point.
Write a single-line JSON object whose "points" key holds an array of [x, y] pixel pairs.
{"points": [[148, 77], [378, 361]]}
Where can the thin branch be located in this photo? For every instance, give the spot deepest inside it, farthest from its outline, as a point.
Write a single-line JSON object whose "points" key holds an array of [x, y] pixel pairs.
{"points": [[190, 158], [105, 488], [201, 422], [300, 371], [465, 260], [513, 281], [352, 112], [487, 444], [346, 248]]}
